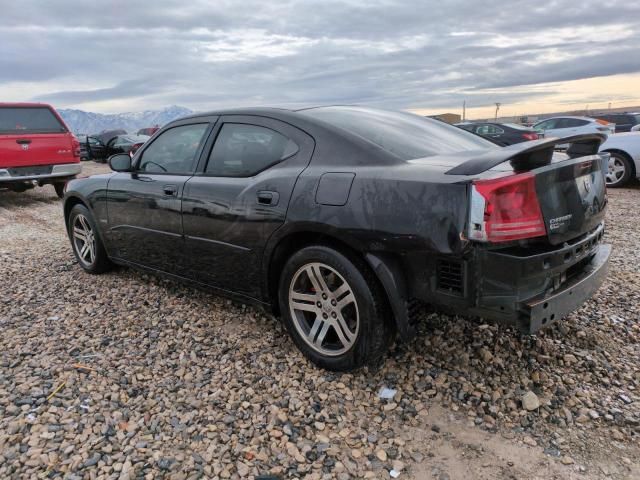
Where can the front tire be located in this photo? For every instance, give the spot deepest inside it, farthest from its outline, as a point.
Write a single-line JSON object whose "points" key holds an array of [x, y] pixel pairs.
{"points": [[619, 171], [334, 309], [85, 241]]}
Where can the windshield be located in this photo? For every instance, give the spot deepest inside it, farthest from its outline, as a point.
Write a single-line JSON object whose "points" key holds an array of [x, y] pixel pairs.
{"points": [[405, 135], [19, 120]]}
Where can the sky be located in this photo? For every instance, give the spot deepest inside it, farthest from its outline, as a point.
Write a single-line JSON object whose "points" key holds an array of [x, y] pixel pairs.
{"points": [[423, 56]]}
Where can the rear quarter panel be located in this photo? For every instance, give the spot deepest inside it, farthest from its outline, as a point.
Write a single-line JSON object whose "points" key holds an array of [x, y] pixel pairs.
{"points": [[395, 209]]}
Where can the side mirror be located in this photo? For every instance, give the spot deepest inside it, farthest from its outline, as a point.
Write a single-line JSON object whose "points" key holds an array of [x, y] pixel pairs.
{"points": [[120, 162]]}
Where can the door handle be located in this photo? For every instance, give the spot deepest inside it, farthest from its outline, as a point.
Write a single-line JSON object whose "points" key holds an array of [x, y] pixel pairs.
{"points": [[268, 198], [23, 141], [170, 190]]}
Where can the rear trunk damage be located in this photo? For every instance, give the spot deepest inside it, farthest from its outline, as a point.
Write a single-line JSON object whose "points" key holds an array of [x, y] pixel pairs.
{"points": [[534, 235]]}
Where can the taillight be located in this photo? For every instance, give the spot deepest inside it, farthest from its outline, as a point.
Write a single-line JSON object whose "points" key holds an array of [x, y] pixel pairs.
{"points": [[134, 149], [505, 209], [75, 147], [530, 136]]}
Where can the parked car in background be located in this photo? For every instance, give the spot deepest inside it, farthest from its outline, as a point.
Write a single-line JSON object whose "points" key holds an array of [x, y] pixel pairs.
{"points": [[125, 143], [343, 219], [84, 152], [566, 126], [501, 133], [624, 164], [36, 148], [636, 128], [624, 122], [148, 131]]}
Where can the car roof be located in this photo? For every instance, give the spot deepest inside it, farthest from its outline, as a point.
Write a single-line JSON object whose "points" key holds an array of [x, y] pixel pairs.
{"points": [[24, 104], [567, 116], [238, 111]]}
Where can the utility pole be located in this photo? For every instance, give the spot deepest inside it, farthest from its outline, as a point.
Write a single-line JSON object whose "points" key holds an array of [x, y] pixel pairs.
{"points": [[464, 110], [497, 109]]}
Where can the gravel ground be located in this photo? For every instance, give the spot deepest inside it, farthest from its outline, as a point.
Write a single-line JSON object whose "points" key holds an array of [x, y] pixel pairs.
{"points": [[127, 376]]}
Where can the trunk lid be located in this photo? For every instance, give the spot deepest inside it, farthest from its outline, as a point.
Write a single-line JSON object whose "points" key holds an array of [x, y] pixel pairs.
{"points": [[572, 196]]}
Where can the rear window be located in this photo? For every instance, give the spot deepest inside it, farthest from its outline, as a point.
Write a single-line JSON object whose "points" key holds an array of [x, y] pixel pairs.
{"points": [[516, 126], [18, 120], [405, 135]]}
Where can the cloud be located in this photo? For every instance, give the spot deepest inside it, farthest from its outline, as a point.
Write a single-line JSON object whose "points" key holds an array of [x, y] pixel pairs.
{"points": [[378, 52]]}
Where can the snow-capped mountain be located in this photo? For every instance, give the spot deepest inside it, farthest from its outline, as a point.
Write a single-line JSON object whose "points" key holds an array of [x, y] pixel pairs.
{"points": [[80, 121]]}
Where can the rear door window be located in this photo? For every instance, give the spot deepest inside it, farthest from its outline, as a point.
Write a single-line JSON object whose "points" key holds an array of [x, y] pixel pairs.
{"points": [[24, 120], [574, 122], [243, 150]]}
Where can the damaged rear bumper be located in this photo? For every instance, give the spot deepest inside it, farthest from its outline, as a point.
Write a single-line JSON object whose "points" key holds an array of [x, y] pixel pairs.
{"points": [[531, 292], [540, 312], [527, 287]]}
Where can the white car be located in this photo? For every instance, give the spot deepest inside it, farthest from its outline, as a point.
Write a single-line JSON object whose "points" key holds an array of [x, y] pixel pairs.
{"points": [[565, 126], [636, 128], [624, 163]]}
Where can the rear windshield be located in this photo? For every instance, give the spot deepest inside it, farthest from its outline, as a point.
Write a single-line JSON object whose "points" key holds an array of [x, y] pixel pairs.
{"points": [[132, 138], [405, 135], [516, 126], [20, 120]]}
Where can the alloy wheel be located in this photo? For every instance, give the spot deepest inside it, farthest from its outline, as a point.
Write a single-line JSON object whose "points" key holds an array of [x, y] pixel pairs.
{"points": [[324, 309], [615, 171], [84, 240]]}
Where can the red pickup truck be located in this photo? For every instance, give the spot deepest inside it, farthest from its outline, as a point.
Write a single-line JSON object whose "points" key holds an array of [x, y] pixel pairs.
{"points": [[36, 148]]}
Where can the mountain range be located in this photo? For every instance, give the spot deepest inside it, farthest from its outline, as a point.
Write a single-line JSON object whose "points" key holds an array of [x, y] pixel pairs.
{"points": [[81, 122]]}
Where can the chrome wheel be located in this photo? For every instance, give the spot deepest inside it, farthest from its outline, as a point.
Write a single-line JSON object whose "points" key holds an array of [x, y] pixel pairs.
{"points": [[84, 240], [616, 170], [324, 309]]}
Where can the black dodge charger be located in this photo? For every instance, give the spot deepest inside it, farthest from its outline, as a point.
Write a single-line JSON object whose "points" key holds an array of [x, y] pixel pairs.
{"points": [[342, 219]]}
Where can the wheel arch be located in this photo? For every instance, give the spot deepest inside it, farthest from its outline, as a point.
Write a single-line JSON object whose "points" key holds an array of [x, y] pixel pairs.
{"points": [[385, 267], [70, 202]]}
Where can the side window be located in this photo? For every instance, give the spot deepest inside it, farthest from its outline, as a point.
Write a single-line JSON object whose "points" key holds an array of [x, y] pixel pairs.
{"points": [[489, 130], [575, 122], [243, 150], [549, 124], [174, 151]]}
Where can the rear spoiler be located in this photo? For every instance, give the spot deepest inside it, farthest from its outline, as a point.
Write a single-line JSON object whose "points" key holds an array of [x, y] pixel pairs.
{"points": [[529, 155]]}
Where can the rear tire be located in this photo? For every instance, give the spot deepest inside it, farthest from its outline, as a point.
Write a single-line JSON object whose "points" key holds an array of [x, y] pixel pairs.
{"points": [[334, 309], [59, 188], [620, 170], [85, 241]]}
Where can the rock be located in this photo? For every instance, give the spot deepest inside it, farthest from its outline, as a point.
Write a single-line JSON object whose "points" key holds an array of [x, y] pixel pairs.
{"points": [[485, 355], [382, 455], [625, 398], [566, 460], [530, 401], [91, 461], [243, 469]]}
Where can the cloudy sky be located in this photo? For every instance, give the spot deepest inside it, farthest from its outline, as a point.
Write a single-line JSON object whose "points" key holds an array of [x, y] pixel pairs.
{"points": [[426, 56]]}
